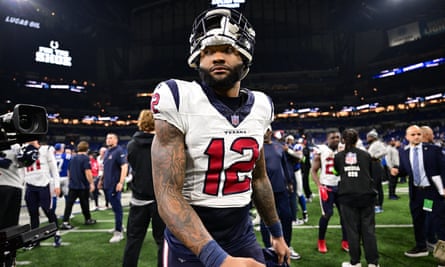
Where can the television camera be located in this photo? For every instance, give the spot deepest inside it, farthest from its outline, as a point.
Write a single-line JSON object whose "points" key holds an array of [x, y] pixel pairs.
{"points": [[25, 123], [15, 237]]}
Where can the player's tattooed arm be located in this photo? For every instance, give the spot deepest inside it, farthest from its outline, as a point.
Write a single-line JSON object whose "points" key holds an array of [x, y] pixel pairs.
{"points": [[263, 197], [168, 167]]}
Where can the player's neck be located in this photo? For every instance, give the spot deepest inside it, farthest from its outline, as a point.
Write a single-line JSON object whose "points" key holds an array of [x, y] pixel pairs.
{"points": [[232, 92], [333, 148]]}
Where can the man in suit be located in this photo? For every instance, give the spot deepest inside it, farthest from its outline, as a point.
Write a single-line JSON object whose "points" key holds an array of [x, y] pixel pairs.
{"points": [[424, 164]]}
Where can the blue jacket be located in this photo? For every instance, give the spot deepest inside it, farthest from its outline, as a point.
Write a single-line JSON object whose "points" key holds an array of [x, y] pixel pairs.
{"points": [[433, 161]]}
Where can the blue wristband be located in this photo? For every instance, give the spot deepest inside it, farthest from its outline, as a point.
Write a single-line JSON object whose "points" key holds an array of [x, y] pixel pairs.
{"points": [[212, 254], [275, 229]]}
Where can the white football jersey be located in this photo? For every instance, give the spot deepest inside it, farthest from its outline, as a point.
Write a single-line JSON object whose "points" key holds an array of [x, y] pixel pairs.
{"points": [[327, 176], [13, 175], [44, 169], [222, 146]]}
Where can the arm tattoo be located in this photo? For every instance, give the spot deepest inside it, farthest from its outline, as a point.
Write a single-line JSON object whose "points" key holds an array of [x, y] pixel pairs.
{"points": [[168, 167], [263, 196]]}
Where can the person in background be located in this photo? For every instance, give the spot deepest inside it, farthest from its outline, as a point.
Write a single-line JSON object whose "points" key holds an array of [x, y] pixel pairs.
{"points": [[427, 134], [207, 156], [327, 182], [430, 232], [424, 164], [143, 206], [95, 172], [356, 195], [69, 152], [12, 173], [377, 150], [80, 185], [115, 171], [282, 180], [38, 177], [392, 162], [294, 155], [100, 161], [62, 161], [306, 168]]}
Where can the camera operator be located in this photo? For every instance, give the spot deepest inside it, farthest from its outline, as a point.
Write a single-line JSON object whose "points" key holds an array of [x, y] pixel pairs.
{"points": [[12, 174]]}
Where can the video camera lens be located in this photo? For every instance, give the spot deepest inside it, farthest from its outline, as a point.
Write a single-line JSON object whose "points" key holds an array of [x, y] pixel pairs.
{"points": [[30, 119], [26, 122]]}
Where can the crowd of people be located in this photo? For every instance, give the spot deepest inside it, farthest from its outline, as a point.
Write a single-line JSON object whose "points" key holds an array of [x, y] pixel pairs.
{"points": [[205, 155]]}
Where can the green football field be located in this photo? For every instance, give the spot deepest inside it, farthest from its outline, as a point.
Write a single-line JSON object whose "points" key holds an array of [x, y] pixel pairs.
{"points": [[89, 246]]}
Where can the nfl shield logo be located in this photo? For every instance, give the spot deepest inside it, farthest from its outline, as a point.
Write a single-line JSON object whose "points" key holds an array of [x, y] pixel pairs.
{"points": [[235, 120], [351, 158]]}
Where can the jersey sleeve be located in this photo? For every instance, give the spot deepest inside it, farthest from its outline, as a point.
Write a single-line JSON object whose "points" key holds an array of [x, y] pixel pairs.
{"points": [[165, 104], [317, 150], [271, 115], [267, 107], [52, 165]]}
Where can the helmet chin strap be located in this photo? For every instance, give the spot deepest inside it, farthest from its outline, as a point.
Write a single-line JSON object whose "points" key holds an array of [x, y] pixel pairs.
{"points": [[245, 71]]}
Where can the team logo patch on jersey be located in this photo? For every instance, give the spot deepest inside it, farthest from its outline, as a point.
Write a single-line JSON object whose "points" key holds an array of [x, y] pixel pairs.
{"points": [[235, 120], [351, 158]]}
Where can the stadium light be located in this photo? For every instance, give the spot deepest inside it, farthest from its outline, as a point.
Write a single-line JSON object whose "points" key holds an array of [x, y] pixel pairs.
{"points": [[228, 3], [420, 65]]}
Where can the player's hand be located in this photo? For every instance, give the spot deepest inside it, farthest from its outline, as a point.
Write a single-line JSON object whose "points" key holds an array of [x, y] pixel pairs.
{"points": [[119, 187], [91, 187], [290, 188], [241, 262], [281, 249], [394, 171], [57, 191]]}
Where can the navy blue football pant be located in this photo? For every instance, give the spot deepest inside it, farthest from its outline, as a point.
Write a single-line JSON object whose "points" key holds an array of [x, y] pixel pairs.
{"points": [[283, 207], [249, 249], [327, 210], [115, 200], [35, 197], [139, 218]]}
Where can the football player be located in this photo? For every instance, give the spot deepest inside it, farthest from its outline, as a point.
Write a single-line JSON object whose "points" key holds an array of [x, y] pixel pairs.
{"points": [[62, 161], [327, 181], [38, 177], [207, 156]]}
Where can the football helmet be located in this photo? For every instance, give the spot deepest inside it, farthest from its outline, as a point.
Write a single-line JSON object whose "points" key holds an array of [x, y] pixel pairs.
{"points": [[222, 26], [28, 155]]}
